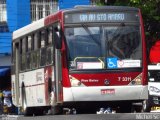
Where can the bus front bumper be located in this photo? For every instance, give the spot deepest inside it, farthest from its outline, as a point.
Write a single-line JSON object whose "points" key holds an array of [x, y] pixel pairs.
{"points": [[105, 93]]}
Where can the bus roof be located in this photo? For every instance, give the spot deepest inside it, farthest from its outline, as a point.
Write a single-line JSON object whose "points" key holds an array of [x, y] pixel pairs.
{"points": [[29, 28], [41, 23], [94, 8]]}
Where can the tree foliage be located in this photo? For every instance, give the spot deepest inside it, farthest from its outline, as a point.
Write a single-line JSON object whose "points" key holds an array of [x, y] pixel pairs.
{"points": [[150, 12]]}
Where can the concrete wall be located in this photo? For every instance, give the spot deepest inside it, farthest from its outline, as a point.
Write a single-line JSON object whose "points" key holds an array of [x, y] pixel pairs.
{"points": [[71, 3], [18, 15], [5, 43], [5, 60]]}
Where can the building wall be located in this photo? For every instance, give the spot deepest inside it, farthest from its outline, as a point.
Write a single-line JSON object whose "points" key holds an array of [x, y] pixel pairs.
{"points": [[5, 43], [71, 3], [18, 15], [6, 60]]}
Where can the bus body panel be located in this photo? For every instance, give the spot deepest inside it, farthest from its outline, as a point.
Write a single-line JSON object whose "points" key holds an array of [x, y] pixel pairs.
{"points": [[112, 78], [105, 93], [92, 87], [36, 87], [34, 83]]}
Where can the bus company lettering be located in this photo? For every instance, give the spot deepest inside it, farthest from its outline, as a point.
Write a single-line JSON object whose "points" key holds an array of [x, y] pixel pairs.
{"points": [[102, 17], [125, 79], [89, 80]]}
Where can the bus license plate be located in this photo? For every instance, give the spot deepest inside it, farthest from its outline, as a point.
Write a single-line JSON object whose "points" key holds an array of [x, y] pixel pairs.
{"points": [[107, 91]]}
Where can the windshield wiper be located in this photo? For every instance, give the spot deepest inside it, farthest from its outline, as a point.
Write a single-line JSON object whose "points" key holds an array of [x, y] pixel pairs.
{"points": [[89, 33]]}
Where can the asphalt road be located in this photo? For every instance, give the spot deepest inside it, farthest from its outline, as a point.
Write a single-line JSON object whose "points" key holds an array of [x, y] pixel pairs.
{"points": [[116, 116]]}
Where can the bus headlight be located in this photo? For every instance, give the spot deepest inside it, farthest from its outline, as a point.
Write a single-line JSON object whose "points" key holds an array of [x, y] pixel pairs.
{"points": [[137, 80], [74, 82]]}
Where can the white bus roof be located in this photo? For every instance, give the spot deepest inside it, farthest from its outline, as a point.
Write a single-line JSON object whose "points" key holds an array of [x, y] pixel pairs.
{"points": [[28, 29]]}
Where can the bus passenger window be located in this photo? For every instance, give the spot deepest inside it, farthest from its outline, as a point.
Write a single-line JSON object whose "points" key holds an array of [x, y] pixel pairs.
{"points": [[28, 54], [23, 45], [28, 60], [49, 55], [50, 35], [29, 41], [20, 55], [43, 39], [42, 56], [43, 48], [23, 56], [38, 57], [35, 52], [36, 41], [34, 59], [49, 49]]}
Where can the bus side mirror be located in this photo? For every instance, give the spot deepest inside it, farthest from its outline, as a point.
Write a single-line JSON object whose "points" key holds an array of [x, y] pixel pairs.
{"points": [[57, 39]]}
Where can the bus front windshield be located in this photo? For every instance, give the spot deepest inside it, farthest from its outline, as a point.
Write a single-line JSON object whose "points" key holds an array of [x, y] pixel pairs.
{"points": [[104, 47]]}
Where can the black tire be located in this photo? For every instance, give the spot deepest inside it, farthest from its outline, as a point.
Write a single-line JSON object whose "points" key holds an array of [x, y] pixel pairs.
{"points": [[55, 110], [137, 108], [146, 105], [126, 108]]}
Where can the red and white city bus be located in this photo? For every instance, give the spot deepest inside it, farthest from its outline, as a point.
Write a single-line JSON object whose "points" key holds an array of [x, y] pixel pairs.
{"points": [[79, 57]]}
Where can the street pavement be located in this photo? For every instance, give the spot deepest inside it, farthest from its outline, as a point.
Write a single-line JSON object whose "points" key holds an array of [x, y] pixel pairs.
{"points": [[115, 116]]}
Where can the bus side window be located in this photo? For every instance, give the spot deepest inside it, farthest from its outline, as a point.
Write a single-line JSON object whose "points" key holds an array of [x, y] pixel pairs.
{"points": [[36, 48], [43, 48], [28, 52], [43, 38], [50, 35], [20, 59], [33, 52], [23, 55], [49, 49]]}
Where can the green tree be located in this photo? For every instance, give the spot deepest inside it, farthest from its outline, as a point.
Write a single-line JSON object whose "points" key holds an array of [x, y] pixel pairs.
{"points": [[150, 12]]}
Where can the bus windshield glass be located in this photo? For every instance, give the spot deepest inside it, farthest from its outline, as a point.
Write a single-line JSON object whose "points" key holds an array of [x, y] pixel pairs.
{"points": [[104, 47]]}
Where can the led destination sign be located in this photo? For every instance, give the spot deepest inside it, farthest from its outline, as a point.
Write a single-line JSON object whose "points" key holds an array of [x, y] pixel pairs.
{"points": [[100, 17]]}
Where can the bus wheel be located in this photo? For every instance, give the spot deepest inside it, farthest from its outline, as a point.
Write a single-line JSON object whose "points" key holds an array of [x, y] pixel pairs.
{"points": [[55, 110], [137, 107], [146, 106], [126, 108], [25, 110]]}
